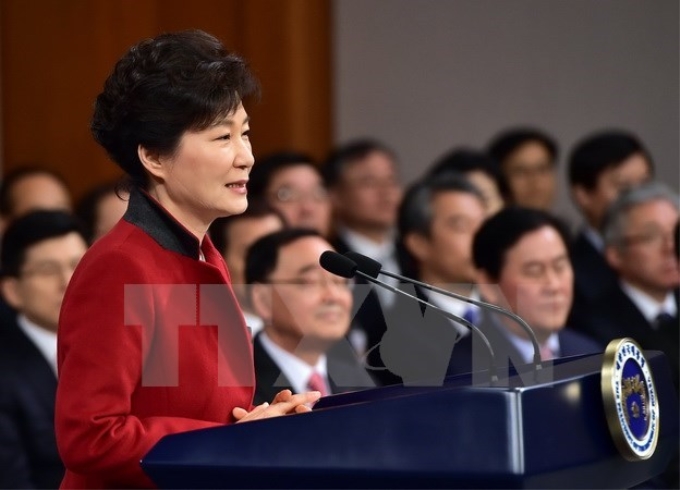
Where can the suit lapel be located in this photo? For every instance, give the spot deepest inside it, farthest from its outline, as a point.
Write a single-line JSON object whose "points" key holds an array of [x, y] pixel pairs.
{"points": [[268, 376], [34, 368]]}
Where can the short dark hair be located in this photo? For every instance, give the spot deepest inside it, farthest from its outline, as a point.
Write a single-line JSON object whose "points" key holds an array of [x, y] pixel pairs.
{"points": [[601, 151], [507, 142], [263, 255], [269, 165], [163, 87], [258, 208], [415, 211], [30, 229], [14, 176], [348, 153], [464, 160], [502, 231], [88, 206]]}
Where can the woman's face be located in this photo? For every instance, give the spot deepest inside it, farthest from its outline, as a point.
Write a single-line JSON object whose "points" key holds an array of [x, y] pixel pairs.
{"points": [[206, 176]]}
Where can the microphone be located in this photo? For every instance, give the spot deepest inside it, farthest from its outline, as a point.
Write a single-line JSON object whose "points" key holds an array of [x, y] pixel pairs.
{"points": [[343, 266], [372, 267]]}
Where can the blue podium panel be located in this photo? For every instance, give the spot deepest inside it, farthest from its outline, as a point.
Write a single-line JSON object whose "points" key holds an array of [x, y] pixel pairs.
{"points": [[545, 433]]}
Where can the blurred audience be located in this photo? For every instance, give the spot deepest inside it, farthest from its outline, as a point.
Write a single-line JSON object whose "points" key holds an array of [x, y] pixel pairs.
{"points": [[600, 167], [292, 184], [478, 168], [528, 165], [101, 208], [27, 188], [40, 250], [233, 236], [363, 181], [306, 313], [437, 220], [522, 263], [638, 232]]}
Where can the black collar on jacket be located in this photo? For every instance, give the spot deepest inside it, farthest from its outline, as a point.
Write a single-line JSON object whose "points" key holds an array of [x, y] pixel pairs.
{"points": [[146, 213]]}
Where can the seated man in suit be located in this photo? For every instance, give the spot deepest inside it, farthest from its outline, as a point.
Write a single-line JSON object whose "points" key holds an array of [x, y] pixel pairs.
{"points": [[362, 178], [643, 304], [24, 189], [522, 265], [600, 167], [306, 312], [437, 220], [39, 253], [232, 236]]}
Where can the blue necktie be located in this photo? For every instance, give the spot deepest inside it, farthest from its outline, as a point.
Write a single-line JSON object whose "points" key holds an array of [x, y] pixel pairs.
{"points": [[471, 315]]}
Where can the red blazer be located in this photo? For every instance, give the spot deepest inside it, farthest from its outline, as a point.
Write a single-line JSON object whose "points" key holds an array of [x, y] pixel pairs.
{"points": [[151, 342]]}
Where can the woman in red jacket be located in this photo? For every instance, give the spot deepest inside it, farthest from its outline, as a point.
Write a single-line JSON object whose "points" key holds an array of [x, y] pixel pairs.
{"points": [[151, 338]]}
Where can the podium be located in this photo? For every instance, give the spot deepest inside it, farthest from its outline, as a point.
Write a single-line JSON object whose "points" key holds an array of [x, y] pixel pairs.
{"points": [[549, 432]]}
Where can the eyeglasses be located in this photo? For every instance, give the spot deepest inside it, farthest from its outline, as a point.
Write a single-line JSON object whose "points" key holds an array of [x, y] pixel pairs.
{"points": [[287, 195], [313, 284], [50, 269], [651, 239]]}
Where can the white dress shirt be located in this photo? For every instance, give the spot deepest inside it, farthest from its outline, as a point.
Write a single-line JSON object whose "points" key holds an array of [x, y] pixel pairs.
{"points": [[385, 253], [526, 347], [292, 367], [648, 306], [253, 322], [456, 307]]}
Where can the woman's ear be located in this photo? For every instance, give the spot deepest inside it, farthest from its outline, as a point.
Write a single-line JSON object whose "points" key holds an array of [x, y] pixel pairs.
{"points": [[151, 161], [260, 297]]}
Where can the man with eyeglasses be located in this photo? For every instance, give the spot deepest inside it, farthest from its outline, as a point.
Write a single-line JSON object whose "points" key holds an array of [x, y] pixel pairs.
{"points": [[638, 233], [291, 183], [39, 254], [362, 178], [306, 312]]}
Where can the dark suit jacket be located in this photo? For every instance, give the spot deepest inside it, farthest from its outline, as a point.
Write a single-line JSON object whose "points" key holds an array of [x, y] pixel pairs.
{"points": [[368, 316], [418, 342], [344, 372], [592, 276], [28, 448], [470, 355], [615, 316]]}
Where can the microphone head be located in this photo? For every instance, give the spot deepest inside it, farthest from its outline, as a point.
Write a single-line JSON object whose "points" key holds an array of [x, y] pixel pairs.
{"points": [[365, 264], [338, 264]]}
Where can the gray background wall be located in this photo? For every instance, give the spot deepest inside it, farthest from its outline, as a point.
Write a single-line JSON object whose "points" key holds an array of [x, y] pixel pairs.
{"points": [[427, 75]]}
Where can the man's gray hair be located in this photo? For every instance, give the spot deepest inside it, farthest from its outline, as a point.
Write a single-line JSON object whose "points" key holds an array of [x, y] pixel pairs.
{"points": [[616, 217]]}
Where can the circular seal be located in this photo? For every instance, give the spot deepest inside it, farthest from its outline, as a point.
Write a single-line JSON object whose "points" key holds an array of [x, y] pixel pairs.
{"points": [[630, 402]]}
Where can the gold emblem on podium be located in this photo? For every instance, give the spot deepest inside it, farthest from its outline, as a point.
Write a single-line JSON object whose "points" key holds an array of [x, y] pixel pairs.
{"points": [[630, 402]]}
